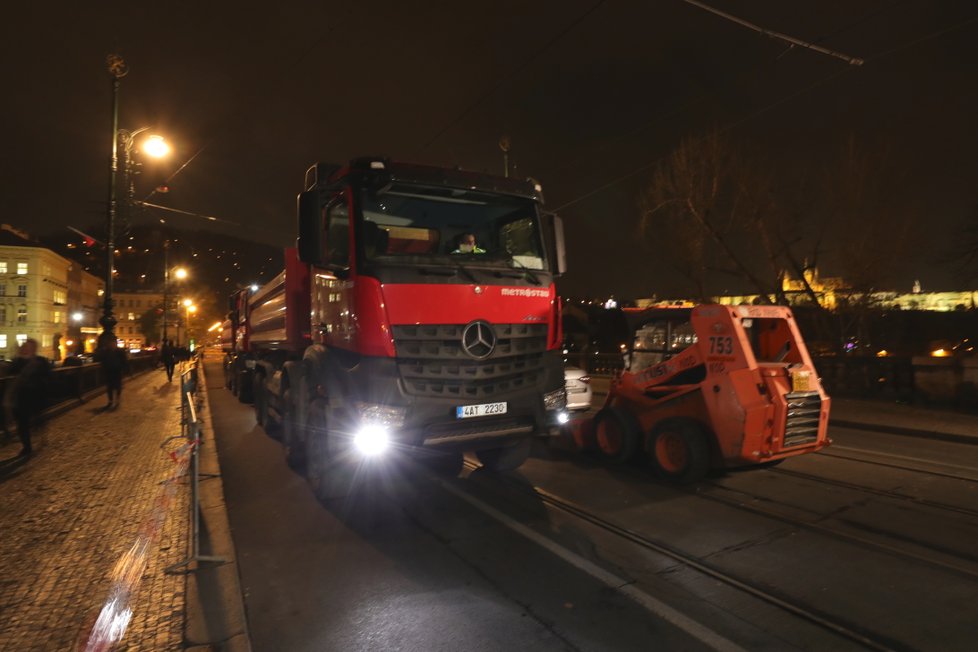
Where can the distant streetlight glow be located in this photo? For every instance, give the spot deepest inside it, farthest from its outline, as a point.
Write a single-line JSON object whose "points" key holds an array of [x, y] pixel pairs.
{"points": [[77, 316], [254, 287], [180, 273], [188, 302]]}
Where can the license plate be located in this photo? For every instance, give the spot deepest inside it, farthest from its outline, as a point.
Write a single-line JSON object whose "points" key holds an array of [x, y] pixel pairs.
{"points": [[483, 410]]}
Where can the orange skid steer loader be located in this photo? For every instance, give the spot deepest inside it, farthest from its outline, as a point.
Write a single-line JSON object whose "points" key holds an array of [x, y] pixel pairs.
{"points": [[711, 387]]}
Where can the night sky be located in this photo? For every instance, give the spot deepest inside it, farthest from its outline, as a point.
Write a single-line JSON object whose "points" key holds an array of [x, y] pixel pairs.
{"points": [[589, 93]]}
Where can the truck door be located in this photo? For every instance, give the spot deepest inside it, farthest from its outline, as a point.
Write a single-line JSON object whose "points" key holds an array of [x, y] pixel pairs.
{"points": [[333, 318]]}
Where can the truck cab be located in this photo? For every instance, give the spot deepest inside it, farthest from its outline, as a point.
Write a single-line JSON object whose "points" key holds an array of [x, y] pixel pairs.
{"points": [[435, 321]]}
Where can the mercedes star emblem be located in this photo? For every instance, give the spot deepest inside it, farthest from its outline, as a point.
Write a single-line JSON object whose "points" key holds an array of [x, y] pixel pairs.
{"points": [[478, 340]]}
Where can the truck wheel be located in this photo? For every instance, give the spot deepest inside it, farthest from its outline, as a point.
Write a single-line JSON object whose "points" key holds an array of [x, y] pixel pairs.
{"points": [[679, 452], [616, 434], [244, 387], [329, 476], [295, 451], [505, 458], [260, 402]]}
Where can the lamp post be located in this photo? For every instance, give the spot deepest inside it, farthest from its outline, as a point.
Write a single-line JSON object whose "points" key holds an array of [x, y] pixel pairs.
{"points": [[117, 70], [180, 273]]}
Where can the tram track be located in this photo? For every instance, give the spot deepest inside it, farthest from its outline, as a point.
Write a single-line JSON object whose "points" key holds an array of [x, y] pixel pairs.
{"points": [[874, 491], [894, 464], [807, 612]]}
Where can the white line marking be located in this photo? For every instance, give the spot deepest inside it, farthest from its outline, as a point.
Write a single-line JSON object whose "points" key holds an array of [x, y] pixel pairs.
{"points": [[657, 607]]}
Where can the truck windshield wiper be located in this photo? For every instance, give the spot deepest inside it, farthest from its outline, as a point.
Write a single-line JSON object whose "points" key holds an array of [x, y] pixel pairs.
{"points": [[467, 272], [526, 271]]}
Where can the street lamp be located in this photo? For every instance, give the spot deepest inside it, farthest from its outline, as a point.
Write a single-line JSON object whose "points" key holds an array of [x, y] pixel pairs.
{"points": [[191, 309], [117, 70], [154, 146], [180, 273]]}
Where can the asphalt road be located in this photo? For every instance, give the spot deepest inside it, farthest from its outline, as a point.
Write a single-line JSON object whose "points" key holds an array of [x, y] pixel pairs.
{"points": [[829, 551]]}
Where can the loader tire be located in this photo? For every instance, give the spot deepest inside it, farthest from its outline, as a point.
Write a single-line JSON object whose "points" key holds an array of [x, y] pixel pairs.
{"points": [[679, 451], [616, 434]]}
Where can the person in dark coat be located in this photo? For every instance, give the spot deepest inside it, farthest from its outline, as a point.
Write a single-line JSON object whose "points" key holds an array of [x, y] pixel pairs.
{"points": [[169, 356], [29, 390], [114, 363]]}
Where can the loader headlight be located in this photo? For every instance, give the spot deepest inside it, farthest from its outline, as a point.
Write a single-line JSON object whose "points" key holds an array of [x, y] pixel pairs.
{"points": [[563, 417], [372, 439]]}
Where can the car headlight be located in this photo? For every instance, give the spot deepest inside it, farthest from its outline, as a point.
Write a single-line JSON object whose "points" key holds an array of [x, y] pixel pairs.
{"points": [[555, 400], [391, 416]]}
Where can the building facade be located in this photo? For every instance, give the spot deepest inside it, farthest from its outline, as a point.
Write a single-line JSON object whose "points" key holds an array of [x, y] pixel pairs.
{"points": [[129, 308], [33, 295]]}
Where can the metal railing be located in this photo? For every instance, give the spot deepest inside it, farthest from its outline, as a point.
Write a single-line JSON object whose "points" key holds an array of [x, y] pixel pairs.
{"points": [[191, 434]]}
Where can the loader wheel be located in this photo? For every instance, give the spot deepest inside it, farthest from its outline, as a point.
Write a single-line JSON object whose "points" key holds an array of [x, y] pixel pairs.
{"points": [[680, 452], [616, 434], [505, 458]]}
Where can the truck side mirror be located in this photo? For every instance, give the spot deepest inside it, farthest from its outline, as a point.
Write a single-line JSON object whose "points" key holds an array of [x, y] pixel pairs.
{"points": [[309, 242], [561, 255]]}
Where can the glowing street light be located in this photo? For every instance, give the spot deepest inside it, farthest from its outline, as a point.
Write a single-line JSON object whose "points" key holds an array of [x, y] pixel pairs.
{"points": [[156, 146]]}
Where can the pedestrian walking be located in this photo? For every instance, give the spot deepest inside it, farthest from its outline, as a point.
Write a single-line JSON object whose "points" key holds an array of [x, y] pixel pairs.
{"points": [[169, 356], [114, 363], [29, 389]]}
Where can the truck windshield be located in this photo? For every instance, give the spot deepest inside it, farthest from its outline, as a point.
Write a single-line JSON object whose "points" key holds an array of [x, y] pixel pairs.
{"points": [[425, 225]]}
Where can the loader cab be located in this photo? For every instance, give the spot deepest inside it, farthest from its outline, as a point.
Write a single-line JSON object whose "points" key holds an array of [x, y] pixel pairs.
{"points": [[658, 335]]}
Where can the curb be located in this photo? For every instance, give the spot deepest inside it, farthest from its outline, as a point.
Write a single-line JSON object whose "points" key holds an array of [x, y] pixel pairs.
{"points": [[908, 432], [215, 617]]}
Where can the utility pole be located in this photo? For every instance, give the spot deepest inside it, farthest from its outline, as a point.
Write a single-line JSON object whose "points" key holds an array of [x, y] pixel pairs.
{"points": [[504, 146]]}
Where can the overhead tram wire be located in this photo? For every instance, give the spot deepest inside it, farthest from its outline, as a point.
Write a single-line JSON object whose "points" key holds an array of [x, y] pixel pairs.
{"points": [[775, 104], [737, 77], [512, 73]]}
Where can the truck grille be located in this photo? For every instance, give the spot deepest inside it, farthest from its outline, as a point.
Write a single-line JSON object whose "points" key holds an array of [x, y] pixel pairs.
{"points": [[801, 426], [431, 361]]}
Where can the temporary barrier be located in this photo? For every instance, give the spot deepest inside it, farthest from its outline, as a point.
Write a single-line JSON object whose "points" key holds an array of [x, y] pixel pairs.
{"points": [[192, 434]]}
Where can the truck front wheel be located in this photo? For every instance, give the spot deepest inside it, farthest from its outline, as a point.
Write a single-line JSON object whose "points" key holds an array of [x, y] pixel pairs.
{"points": [[505, 458], [680, 452], [328, 475]]}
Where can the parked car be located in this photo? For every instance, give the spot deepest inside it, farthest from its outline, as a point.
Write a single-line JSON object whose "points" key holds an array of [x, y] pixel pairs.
{"points": [[578, 386]]}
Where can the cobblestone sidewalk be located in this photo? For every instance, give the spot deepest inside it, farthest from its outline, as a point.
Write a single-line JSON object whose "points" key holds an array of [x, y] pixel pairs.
{"points": [[69, 513]]}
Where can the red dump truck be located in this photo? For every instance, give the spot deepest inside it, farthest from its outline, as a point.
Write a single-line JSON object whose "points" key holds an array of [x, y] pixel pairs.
{"points": [[417, 314], [711, 387]]}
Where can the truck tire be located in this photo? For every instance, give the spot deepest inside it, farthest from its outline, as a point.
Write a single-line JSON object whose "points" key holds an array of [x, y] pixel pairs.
{"points": [[328, 475], [260, 400], [616, 434], [679, 452], [505, 458], [292, 442], [243, 384]]}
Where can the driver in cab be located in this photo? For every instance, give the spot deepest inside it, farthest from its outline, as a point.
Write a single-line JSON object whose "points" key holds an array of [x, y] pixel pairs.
{"points": [[467, 245]]}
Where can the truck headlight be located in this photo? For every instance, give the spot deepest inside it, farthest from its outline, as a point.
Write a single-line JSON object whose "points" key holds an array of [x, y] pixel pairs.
{"points": [[372, 439], [555, 400]]}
